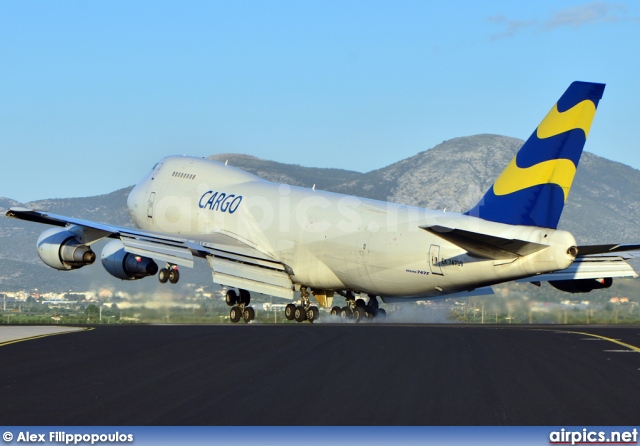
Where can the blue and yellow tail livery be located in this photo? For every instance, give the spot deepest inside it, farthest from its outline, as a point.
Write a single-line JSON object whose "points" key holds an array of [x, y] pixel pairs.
{"points": [[533, 188]]}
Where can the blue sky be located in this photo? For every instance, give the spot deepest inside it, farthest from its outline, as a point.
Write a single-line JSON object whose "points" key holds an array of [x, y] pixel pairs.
{"points": [[93, 93]]}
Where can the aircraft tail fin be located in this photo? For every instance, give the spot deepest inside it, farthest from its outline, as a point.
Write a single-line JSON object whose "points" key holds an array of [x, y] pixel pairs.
{"points": [[533, 188]]}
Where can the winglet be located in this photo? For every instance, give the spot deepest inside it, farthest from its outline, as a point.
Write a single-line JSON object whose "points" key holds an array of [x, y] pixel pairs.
{"points": [[533, 188]]}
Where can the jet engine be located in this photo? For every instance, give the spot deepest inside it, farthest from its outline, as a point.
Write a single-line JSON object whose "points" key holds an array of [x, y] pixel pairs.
{"points": [[581, 285], [60, 249], [124, 265]]}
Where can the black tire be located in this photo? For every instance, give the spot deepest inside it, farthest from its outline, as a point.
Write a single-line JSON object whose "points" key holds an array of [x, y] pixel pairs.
{"points": [[174, 276], [231, 298], [359, 314], [289, 312], [313, 314], [252, 313], [163, 275], [360, 303], [335, 311], [346, 313], [246, 314], [300, 314], [235, 314], [245, 297]]}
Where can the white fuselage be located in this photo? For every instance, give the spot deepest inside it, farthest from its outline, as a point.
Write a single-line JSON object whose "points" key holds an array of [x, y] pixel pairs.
{"points": [[331, 241]]}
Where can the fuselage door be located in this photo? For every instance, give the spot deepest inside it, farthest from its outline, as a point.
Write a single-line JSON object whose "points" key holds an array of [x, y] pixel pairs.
{"points": [[434, 260], [152, 198], [155, 170]]}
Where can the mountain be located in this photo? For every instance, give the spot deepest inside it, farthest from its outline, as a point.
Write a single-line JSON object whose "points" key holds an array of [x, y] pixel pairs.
{"points": [[603, 206]]}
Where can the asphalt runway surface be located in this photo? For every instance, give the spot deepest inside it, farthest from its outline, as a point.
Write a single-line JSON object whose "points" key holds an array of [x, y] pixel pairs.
{"points": [[324, 374]]}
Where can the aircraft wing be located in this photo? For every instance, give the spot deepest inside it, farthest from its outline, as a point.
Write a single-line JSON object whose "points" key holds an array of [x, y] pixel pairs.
{"points": [[234, 263]]}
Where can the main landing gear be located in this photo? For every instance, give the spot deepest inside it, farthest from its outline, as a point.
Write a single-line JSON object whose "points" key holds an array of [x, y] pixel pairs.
{"points": [[169, 273], [303, 312], [358, 309], [239, 304]]}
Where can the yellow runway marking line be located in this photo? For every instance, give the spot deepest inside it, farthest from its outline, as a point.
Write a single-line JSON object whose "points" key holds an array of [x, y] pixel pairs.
{"points": [[604, 338], [31, 338]]}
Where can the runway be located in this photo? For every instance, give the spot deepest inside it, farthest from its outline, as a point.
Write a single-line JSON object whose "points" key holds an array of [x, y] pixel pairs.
{"points": [[324, 374]]}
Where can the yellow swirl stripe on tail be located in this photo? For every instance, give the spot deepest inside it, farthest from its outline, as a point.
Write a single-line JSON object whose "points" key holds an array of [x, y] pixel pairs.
{"points": [[580, 116], [514, 178]]}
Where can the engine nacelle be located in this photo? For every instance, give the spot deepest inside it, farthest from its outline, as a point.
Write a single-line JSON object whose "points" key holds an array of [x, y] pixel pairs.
{"points": [[124, 265], [60, 249], [581, 285]]}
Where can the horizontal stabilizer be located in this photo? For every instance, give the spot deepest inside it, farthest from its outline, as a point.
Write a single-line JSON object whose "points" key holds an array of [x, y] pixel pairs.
{"points": [[589, 250], [588, 268], [484, 245]]}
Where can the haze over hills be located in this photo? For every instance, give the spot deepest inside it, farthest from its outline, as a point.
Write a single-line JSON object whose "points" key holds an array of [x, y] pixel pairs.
{"points": [[603, 206]]}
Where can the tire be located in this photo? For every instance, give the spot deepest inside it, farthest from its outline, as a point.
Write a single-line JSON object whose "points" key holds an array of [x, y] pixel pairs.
{"points": [[231, 298], [359, 314], [235, 314], [313, 314], [335, 311], [245, 297], [252, 313], [360, 303], [246, 315], [289, 312], [174, 276], [300, 314], [163, 275], [346, 313]]}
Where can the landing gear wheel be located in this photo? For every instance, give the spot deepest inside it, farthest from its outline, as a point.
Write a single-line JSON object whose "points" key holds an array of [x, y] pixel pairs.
{"points": [[249, 314], [359, 314], [289, 312], [372, 307], [346, 313], [231, 298], [313, 313], [174, 276], [335, 311], [245, 297], [163, 275], [360, 303], [300, 314], [235, 314]]}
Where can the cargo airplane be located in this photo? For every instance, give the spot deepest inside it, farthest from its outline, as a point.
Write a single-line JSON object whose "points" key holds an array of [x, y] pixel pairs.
{"points": [[264, 237]]}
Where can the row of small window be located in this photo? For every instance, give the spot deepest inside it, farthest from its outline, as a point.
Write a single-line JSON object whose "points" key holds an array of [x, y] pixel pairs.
{"points": [[188, 176]]}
